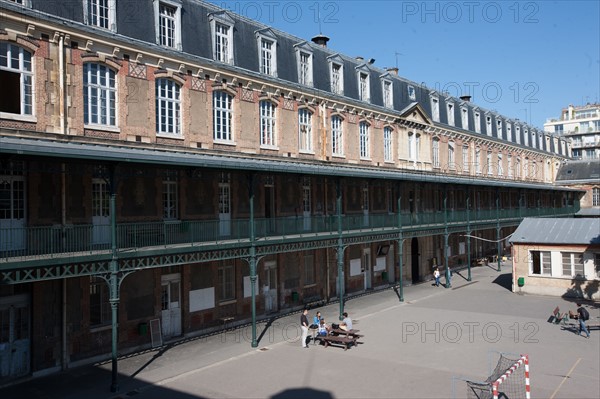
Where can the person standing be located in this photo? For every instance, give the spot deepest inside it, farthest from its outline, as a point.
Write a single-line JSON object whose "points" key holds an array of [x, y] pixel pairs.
{"points": [[304, 327], [436, 275], [582, 315]]}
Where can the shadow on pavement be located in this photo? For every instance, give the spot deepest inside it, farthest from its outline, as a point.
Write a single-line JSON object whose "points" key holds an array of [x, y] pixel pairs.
{"points": [[504, 280], [302, 393]]}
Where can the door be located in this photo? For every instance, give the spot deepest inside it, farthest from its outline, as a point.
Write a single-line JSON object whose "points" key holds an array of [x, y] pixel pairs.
{"points": [[306, 204], [225, 206], [365, 206], [14, 336], [171, 305], [366, 266], [269, 207], [414, 256], [270, 287], [12, 210], [100, 212]]}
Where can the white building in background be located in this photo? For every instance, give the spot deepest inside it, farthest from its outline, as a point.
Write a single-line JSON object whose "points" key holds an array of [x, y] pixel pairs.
{"points": [[581, 125]]}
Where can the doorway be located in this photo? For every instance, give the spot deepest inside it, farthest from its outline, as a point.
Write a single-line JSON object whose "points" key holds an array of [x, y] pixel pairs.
{"points": [[100, 212], [12, 216], [270, 287], [171, 305], [414, 256]]}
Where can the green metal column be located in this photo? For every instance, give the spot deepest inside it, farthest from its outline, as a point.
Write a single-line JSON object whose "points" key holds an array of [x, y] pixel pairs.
{"points": [[114, 281], [400, 250], [521, 204], [468, 235], [498, 227], [446, 233], [340, 248], [253, 275]]}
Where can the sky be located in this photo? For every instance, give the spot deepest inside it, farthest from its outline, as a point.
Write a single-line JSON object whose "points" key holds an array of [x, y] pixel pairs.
{"points": [[526, 60]]}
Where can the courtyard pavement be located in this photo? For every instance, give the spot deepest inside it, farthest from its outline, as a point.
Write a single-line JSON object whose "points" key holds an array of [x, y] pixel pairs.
{"points": [[420, 348]]}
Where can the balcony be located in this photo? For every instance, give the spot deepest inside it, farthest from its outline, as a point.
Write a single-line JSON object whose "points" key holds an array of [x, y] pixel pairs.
{"points": [[88, 243]]}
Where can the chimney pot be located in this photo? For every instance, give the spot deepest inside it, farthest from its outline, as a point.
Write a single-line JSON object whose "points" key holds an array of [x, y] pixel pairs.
{"points": [[393, 70], [465, 98], [320, 40]]}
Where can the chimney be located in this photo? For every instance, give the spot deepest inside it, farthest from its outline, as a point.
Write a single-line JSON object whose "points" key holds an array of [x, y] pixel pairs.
{"points": [[465, 98], [392, 70], [321, 40], [359, 58]]}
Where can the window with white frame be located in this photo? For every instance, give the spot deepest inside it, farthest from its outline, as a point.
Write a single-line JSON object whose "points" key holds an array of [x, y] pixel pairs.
{"points": [[100, 310], [412, 95], [435, 108], [363, 128], [477, 121], [518, 134], [388, 99], [509, 135], [267, 48], [572, 264], [100, 13], [221, 25], [304, 129], [451, 156], [412, 146], [226, 287], [526, 168], [499, 128], [488, 125], [364, 92], [450, 113], [518, 168], [336, 75], [305, 65], [168, 107], [170, 198], [540, 263], [222, 116], [436, 152], [464, 116], [526, 137], [499, 162], [489, 163], [267, 124], [99, 95], [509, 165], [337, 136], [16, 79], [478, 160], [595, 196], [387, 144], [168, 23], [465, 158], [533, 140]]}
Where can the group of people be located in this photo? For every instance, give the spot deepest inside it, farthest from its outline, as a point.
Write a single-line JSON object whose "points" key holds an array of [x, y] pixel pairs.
{"points": [[319, 324]]}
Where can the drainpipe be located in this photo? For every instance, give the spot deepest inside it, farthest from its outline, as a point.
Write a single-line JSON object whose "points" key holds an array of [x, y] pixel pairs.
{"points": [[61, 81], [253, 275], [65, 354], [498, 227], [114, 282], [446, 233]]}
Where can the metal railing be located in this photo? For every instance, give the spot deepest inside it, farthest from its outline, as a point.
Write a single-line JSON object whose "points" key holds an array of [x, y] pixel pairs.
{"points": [[84, 240]]}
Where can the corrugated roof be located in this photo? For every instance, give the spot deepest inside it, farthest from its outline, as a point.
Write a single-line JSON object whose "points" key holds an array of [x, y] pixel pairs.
{"points": [[558, 231]]}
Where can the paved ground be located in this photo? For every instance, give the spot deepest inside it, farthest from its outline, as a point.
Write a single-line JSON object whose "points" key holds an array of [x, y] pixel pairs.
{"points": [[415, 349]]}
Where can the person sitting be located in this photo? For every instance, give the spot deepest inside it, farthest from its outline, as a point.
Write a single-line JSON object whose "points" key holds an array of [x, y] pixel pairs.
{"points": [[323, 328], [346, 324], [316, 320]]}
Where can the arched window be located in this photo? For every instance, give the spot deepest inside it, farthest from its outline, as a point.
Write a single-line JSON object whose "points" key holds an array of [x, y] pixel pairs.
{"points": [[337, 136], [99, 95], [222, 116], [304, 129], [168, 107], [16, 79], [436, 152]]}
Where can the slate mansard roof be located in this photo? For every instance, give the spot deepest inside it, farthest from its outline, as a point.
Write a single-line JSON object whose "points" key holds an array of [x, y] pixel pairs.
{"points": [[135, 19]]}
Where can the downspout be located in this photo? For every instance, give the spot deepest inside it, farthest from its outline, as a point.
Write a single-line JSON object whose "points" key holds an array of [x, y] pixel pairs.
{"points": [[61, 102], [61, 81]]}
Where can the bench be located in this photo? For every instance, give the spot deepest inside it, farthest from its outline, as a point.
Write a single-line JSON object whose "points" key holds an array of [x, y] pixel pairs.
{"points": [[312, 301], [350, 333], [338, 339]]}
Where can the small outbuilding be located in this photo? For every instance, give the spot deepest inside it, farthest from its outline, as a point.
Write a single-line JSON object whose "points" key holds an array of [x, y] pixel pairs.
{"points": [[557, 256]]}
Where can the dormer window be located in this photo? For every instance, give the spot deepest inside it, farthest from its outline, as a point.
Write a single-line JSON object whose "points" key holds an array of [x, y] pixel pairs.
{"points": [[435, 108], [499, 128], [450, 110], [518, 134], [509, 132], [168, 23], [412, 95], [364, 92], [100, 13], [464, 117], [267, 52], [477, 121], [304, 58], [388, 94], [336, 74], [488, 125], [221, 25], [526, 136]]}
